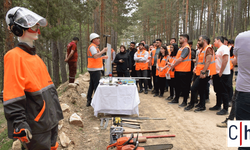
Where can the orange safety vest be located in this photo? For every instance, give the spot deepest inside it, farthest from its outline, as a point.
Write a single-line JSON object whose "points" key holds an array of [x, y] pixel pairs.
{"points": [[202, 60], [171, 60], [92, 62], [231, 58], [162, 64], [141, 65], [185, 65], [153, 55]]}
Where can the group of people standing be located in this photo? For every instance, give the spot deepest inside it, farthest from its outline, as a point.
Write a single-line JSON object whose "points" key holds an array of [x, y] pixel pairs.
{"points": [[183, 69]]}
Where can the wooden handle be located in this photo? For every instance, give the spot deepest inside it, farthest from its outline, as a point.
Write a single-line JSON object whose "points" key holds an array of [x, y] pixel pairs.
{"points": [[149, 131]]}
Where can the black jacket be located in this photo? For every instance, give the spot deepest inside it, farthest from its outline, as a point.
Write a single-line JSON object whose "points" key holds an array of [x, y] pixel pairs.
{"points": [[131, 54], [126, 65]]}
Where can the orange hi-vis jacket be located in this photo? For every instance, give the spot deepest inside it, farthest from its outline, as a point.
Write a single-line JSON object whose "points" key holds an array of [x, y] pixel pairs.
{"points": [[231, 58], [162, 63], [171, 60], [185, 65], [141, 65], [30, 97], [94, 64], [153, 56], [202, 60]]}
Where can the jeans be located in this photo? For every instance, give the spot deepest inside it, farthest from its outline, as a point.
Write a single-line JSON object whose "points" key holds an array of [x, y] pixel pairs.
{"points": [[242, 109], [142, 73], [183, 81], [124, 73], [199, 85], [221, 88], [93, 83], [160, 85]]}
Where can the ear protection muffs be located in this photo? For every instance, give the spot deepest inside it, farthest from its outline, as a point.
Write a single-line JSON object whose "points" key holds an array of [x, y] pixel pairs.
{"points": [[15, 28]]}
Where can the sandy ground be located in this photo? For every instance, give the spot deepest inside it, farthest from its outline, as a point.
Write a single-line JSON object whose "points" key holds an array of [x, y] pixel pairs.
{"points": [[194, 131]]}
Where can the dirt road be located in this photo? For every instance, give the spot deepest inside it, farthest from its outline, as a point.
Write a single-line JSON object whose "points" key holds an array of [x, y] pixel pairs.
{"points": [[194, 131]]}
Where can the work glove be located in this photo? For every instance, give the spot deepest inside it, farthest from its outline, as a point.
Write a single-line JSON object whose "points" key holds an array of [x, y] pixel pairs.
{"points": [[23, 135]]}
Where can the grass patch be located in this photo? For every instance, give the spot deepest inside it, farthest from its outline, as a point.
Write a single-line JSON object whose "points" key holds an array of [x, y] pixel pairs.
{"points": [[5, 142]]}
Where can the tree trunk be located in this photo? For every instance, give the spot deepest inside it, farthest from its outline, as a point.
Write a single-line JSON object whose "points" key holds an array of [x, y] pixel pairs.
{"points": [[102, 43], [239, 17], [183, 17], [232, 29], [96, 21], [221, 17], [208, 19], [186, 20], [81, 49], [48, 59], [214, 17], [9, 36], [177, 21], [55, 60], [61, 53]]}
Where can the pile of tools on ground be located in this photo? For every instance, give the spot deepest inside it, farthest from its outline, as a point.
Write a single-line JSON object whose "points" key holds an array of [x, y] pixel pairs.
{"points": [[122, 142]]}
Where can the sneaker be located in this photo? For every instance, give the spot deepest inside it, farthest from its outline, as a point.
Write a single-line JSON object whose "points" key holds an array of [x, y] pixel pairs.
{"points": [[198, 105], [156, 95], [183, 104], [146, 92], [160, 95], [222, 112], [174, 101], [88, 103], [200, 109], [222, 124], [150, 89], [215, 108], [140, 91], [189, 107], [169, 98]]}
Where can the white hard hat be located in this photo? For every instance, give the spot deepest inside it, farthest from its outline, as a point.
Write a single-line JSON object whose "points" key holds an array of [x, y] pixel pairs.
{"points": [[93, 36], [24, 17]]}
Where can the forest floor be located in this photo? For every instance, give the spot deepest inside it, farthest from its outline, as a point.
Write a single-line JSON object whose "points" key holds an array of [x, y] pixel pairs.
{"points": [[193, 131]]}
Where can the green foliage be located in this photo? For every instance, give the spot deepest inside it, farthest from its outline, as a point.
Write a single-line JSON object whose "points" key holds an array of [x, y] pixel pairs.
{"points": [[5, 142]]}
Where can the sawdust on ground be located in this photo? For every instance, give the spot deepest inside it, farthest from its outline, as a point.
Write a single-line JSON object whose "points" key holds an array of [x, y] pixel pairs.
{"points": [[193, 131]]}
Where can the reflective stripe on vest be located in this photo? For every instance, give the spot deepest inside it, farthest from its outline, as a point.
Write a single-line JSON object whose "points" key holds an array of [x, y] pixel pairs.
{"points": [[94, 64], [185, 65], [200, 65]]}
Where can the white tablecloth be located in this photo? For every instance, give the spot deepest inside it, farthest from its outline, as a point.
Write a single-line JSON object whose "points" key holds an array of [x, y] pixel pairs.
{"points": [[121, 99]]}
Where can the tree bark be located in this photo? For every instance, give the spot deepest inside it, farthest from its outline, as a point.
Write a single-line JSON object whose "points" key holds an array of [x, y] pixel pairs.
{"points": [[202, 7], [177, 21], [214, 17], [55, 60], [61, 53], [186, 20]]}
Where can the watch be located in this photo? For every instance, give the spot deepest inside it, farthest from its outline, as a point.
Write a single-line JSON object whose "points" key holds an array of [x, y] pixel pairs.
{"points": [[203, 72]]}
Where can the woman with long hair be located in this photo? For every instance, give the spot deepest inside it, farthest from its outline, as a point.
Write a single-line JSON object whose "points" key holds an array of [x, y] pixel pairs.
{"points": [[122, 60], [161, 70], [171, 82]]}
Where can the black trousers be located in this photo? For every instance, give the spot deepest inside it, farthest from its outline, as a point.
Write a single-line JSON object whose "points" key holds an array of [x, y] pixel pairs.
{"points": [[199, 85], [44, 140], [154, 75], [231, 85], [143, 73], [123, 74], [133, 72], [93, 83], [183, 81], [232, 112], [150, 80], [160, 85], [171, 83], [222, 88]]}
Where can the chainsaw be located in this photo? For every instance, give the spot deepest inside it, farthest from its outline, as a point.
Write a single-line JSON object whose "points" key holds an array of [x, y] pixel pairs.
{"points": [[123, 141]]}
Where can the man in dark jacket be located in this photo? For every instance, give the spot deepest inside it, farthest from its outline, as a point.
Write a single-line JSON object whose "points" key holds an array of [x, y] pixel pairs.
{"points": [[131, 51]]}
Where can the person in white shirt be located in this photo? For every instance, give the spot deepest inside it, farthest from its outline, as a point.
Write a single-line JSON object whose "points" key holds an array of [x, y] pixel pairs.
{"points": [[221, 79]]}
